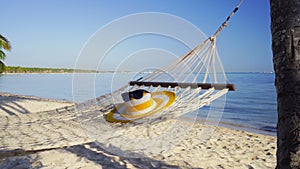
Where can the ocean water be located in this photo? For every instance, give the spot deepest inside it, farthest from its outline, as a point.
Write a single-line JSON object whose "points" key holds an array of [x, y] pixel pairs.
{"points": [[251, 107], [254, 103]]}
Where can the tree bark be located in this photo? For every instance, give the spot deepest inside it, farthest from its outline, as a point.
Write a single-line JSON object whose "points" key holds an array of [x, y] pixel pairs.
{"points": [[285, 27]]}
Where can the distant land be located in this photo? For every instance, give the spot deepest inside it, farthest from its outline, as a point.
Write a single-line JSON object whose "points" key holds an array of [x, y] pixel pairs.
{"points": [[19, 69]]}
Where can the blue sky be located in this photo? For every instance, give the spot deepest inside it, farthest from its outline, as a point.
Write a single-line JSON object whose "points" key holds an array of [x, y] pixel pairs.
{"points": [[51, 33]]}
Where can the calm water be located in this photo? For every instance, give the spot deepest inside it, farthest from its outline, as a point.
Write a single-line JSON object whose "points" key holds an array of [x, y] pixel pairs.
{"points": [[252, 107]]}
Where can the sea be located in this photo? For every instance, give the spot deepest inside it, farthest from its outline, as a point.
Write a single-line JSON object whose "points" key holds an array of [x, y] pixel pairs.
{"points": [[252, 107]]}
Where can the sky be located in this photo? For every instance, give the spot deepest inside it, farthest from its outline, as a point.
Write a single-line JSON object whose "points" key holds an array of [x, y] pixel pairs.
{"points": [[54, 33]]}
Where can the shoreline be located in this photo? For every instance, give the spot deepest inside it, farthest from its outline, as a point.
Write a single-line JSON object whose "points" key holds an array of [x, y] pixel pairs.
{"points": [[231, 126]]}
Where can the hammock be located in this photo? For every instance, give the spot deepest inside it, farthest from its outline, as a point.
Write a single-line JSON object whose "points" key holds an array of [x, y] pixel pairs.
{"points": [[197, 79]]}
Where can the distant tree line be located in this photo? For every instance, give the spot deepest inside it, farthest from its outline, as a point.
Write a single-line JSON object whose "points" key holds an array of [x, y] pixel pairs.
{"points": [[18, 69]]}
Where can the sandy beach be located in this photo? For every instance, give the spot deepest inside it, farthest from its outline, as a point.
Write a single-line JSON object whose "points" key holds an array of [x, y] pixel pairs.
{"points": [[223, 148]]}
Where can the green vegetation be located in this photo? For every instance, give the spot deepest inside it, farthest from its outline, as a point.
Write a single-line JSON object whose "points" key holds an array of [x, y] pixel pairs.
{"points": [[18, 69], [4, 44]]}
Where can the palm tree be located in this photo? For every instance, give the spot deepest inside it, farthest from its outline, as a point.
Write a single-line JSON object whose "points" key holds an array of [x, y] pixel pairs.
{"points": [[4, 43], [285, 27]]}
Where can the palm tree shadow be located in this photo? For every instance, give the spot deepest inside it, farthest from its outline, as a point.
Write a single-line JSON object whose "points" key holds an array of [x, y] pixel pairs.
{"points": [[10, 105], [104, 158], [91, 151], [19, 159], [100, 156]]}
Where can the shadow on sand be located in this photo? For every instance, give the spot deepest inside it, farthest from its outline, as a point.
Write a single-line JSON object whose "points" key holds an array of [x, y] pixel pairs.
{"points": [[9, 104], [91, 151], [104, 158]]}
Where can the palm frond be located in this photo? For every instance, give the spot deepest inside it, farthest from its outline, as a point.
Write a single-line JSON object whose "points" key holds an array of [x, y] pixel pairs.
{"points": [[4, 43], [2, 55], [2, 67]]}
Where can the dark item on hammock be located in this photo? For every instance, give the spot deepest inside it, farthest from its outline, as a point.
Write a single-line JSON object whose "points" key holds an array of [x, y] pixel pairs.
{"points": [[217, 86]]}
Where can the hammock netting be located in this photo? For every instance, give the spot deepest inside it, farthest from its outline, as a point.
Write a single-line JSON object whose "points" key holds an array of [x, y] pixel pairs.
{"points": [[188, 77]]}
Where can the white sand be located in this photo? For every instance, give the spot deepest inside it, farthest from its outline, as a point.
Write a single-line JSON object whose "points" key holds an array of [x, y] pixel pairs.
{"points": [[15, 104], [222, 148]]}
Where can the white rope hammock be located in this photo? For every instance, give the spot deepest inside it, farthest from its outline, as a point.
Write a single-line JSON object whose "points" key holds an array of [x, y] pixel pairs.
{"points": [[188, 78], [197, 78]]}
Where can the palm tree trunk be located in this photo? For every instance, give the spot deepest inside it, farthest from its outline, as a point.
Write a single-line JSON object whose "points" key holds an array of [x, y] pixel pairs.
{"points": [[285, 26]]}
